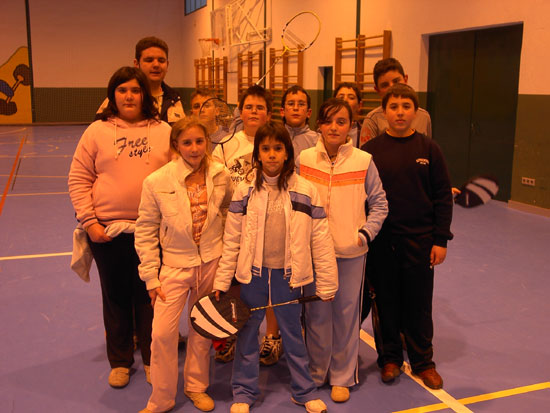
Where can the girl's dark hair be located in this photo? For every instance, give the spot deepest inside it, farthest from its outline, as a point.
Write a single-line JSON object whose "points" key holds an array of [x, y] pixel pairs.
{"points": [[330, 107], [276, 131], [123, 75]]}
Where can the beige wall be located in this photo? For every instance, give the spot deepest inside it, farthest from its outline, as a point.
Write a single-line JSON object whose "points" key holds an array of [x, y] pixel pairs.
{"points": [[409, 24], [79, 43]]}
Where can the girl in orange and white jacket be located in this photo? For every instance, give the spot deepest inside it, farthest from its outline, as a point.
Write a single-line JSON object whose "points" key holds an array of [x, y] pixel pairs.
{"points": [[348, 182]]}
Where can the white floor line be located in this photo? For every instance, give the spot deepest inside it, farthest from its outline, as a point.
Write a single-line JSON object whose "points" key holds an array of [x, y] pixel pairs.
{"points": [[442, 395], [39, 176], [38, 193], [24, 257], [12, 131]]}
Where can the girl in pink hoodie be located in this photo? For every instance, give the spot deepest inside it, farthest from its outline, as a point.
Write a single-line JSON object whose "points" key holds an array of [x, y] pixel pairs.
{"points": [[112, 159]]}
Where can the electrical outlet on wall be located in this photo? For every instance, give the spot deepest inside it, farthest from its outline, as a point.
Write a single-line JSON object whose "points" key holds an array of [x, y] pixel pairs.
{"points": [[527, 181]]}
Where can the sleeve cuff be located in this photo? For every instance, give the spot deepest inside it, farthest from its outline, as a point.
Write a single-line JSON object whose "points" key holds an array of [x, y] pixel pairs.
{"points": [[364, 235]]}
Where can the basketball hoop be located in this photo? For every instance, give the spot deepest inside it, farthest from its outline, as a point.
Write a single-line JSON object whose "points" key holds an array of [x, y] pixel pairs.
{"points": [[207, 45]]}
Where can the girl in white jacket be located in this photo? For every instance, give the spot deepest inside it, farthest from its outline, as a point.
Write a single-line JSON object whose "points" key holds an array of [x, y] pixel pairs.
{"points": [[276, 232], [182, 212]]}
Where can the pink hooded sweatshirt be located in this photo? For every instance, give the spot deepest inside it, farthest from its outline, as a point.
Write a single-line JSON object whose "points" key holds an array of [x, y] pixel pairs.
{"points": [[109, 165]]}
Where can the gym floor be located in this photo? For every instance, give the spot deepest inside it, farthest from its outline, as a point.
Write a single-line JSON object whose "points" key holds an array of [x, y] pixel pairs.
{"points": [[491, 308]]}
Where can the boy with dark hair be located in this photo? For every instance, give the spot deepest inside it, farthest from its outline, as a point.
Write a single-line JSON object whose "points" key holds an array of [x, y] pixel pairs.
{"points": [[349, 92], [151, 56], [388, 72], [412, 240], [295, 112]]}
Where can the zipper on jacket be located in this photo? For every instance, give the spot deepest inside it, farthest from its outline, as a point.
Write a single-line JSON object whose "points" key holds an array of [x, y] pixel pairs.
{"points": [[329, 188]]}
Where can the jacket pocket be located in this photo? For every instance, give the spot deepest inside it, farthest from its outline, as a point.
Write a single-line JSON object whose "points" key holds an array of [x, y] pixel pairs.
{"points": [[168, 203]]}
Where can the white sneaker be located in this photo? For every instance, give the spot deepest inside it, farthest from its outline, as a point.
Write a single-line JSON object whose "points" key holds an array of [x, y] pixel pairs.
{"points": [[239, 408], [313, 406]]}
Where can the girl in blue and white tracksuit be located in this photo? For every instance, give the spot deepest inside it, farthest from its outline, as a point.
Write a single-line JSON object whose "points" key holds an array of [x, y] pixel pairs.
{"points": [[347, 180], [276, 232]]}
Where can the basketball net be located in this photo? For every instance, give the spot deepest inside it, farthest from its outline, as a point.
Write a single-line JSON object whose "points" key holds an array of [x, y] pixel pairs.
{"points": [[207, 45]]}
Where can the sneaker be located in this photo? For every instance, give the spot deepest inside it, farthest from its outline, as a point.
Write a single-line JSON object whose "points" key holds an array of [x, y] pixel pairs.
{"points": [[239, 408], [431, 379], [339, 394], [270, 350], [147, 373], [201, 401], [313, 406], [227, 353], [119, 377]]}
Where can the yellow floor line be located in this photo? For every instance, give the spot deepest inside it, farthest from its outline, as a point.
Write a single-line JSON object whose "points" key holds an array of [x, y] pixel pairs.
{"points": [[39, 193], [449, 401], [24, 257], [481, 398]]}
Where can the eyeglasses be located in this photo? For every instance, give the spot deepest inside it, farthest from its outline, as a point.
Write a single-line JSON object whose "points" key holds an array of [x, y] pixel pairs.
{"points": [[291, 103], [250, 107]]}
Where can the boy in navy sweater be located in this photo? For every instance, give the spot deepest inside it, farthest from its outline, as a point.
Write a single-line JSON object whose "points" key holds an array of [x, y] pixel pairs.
{"points": [[413, 238]]}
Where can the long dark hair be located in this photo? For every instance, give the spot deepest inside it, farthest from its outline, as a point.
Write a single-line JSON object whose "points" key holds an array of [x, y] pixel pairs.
{"points": [[123, 75], [276, 131]]}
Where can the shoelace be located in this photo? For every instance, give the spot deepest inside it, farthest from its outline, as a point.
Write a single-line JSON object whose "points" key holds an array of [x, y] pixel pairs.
{"points": [[227, 346], [269, 344]]}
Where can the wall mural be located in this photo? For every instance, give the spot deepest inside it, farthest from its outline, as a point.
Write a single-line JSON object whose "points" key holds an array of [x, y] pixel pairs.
{"points": [[15, 91], [16, 80]]}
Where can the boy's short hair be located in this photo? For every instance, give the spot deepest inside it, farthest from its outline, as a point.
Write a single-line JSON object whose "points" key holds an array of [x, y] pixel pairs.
{"points": [[293, 90], [403, 91], [148, 42], [257, 90], [386, 65], [207, 93], [349, 85]]}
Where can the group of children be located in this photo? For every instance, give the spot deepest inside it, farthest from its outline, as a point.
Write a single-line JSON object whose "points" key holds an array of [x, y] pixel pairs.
{"points": [[274, 213]]}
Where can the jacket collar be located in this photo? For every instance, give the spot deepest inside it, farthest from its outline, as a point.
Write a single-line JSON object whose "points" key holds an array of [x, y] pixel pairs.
{"points": [[344, 150], [183, 170], [297, 131]]}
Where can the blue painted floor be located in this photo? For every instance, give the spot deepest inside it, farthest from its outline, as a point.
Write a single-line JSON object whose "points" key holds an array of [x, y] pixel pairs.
{"points": [[491, 309]]}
